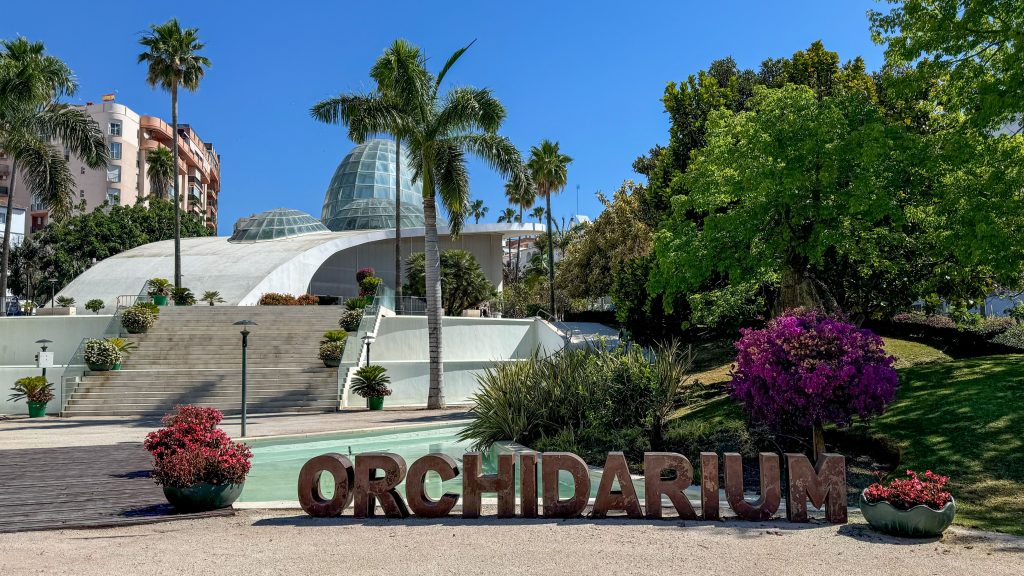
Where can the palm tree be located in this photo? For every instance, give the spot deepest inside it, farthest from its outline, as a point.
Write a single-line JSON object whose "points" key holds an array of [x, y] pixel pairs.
{"points": [[32, 121], [173, 60], [442, 129], [508, 216], [160, 168], [549, 169], [523, 197], [398, 68], [477, 210], [537, 213]]}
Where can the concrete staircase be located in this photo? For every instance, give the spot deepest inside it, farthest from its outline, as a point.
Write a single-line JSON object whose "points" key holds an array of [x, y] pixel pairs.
{"points": [[192, 355]]}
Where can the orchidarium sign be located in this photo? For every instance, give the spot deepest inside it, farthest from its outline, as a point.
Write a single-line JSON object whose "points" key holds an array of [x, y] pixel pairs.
{"points": [[666, 475]]}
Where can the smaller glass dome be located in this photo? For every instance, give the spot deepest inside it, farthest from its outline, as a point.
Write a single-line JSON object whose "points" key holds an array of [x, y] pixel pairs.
{"points": [[274, 224]]}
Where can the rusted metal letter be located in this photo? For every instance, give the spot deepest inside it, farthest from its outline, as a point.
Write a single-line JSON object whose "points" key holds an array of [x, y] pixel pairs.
{"points": [[419, 502], [528, 484], [551, 463], [655, 464], [824, 484], [771, 490], [369, 487], [709, 499], [475, 483], [625, 499], [311, 497]]}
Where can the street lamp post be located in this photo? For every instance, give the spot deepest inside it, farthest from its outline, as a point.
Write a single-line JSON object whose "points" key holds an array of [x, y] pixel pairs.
{"points": [[43, 358], [369, 339], [245, 344]]}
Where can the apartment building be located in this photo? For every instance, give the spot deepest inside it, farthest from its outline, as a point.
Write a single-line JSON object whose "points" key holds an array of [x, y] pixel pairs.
{"points": [[130, 138]]}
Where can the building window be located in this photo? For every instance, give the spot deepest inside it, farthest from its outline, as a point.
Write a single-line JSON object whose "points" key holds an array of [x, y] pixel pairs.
{"points": [[115, 150], [83, 170], [113, 173], [3, 190], [115, 128], [67, 155], [81, 194], [113, 196]]}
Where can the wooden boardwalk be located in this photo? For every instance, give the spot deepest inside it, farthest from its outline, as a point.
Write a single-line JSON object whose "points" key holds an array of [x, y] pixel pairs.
{"points": [[81, 487]]}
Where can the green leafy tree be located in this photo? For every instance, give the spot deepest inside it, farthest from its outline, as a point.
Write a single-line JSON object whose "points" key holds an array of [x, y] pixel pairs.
{"points": [[173, 61], [160, 170], [442, 129], [463, 283], [36, 130], [971, 51], [549, 171]]}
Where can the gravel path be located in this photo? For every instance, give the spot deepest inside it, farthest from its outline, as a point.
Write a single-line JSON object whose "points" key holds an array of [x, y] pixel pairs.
{"points": [[265, 542]]}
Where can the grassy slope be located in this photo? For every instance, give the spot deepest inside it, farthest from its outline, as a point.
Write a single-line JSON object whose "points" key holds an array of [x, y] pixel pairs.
{"points": [[962, 418]]}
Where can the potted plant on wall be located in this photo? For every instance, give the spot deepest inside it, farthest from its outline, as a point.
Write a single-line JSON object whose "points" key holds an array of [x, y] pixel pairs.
{"points": [[197, 463], [36, 391], [101, 355], [139, 318], [332, 347], [371, 382], [158, 289], [183, 296], [213, 297], [124, 348], [916, 507], [94, 305]]}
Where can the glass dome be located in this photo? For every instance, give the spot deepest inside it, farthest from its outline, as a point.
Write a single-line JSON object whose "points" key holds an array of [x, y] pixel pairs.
{"points": [[273, 224], [361, 195]]}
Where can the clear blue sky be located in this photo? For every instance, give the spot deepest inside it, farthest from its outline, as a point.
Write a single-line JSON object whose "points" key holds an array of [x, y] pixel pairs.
{"points": [[588, 74]]}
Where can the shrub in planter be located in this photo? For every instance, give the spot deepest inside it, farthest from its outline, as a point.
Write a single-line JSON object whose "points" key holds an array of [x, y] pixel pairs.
{"points": [[65, 301], [94, 305], [124, 347], [36, 391], [183, 296], [364, 273], [915, 506], [275, 299], [331, 352], [158, 289], [198, 465], [307, 300], [358, 303], [101, 355], [371, 382], [350, 320], [805, 369], [212, 297], [334, 336], [368, 286], [137, 319]]}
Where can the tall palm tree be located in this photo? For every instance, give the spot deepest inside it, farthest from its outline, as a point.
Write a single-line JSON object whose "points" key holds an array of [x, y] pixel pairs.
{"points": [[477, 210], [521, 196], [32, 122], [538, 213], [398, 68], [160, 169], [508, 216], [173, 59], [549, 169], [442, 129]]}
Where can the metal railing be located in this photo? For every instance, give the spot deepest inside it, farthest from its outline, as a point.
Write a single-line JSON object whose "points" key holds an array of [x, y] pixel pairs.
{"points": [[352, 358], [76, 366]]}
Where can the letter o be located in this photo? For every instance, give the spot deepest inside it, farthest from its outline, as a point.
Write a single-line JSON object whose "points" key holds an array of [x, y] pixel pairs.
{"points": [[312, 499]]}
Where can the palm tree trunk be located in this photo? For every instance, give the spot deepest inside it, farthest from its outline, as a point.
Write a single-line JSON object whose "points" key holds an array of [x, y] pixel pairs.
{"points": [[551, 257], [8, 223], [519, 246], [177, 187], [398, 225], [432, 271]]}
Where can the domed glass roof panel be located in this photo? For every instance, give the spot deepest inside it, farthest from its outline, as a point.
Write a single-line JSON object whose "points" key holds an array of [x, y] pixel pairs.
{"points": [[274, 224], [361, 195]]}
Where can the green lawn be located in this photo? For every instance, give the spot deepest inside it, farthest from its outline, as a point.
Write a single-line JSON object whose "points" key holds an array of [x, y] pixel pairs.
{"points": [[960, 418]]}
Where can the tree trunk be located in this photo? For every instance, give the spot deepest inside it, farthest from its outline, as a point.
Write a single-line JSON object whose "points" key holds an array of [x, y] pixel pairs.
{"points": [[177, 187], [9, 222], [797, 291], [519, 246], [432, 271], [551, 257], [818, 440], [398, 225]]}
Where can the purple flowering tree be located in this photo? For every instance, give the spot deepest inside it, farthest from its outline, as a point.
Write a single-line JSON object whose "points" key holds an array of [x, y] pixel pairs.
{"points": [[806, 369]]}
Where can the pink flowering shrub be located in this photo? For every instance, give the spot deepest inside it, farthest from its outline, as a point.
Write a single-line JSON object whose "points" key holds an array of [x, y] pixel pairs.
{"points": [[190, 449], [904, 494], [364, 273], [805, 369]]}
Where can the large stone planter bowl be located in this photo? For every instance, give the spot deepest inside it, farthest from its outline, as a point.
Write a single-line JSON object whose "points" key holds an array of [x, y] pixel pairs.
{"points": [[99, 367], [330, 363], [918, 522], [203, 496]]}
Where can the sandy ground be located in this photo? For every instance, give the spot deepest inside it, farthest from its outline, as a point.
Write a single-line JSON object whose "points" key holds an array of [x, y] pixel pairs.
{"points": [[53, 432], [255, 542]]}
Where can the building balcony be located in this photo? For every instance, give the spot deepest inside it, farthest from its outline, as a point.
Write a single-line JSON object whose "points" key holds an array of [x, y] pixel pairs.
{"points": [[5, 170]]}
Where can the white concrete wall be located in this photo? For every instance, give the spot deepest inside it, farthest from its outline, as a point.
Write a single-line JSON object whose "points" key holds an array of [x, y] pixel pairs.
{"points": [[18, 347]]}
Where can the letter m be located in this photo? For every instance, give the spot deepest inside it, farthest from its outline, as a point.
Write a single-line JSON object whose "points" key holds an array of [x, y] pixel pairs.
{"points": [[824, 484]]}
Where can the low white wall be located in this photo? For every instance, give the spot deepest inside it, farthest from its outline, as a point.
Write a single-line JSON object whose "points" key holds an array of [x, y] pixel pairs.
{"points": [[18, 335]]}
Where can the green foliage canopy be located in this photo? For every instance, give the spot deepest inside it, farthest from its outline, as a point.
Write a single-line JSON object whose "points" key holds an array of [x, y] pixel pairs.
{"points": [[463, 283]]}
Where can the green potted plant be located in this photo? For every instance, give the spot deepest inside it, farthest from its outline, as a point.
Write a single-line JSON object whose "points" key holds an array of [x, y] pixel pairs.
{"points": [[371, 382], [213, 297], [101, 355], [28, 307], [94, 305], [139, 318], [350, 320], [36, 390], [65, 301], [183, 296], [332, 347], [124, 348], [915, 507], [158, 289], [197, 463]]}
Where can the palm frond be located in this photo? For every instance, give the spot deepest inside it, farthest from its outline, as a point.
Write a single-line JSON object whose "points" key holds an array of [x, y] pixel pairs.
{"points": [[452, 179], [76, 130], [451, 62], [497, 151], [48, 176]]}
